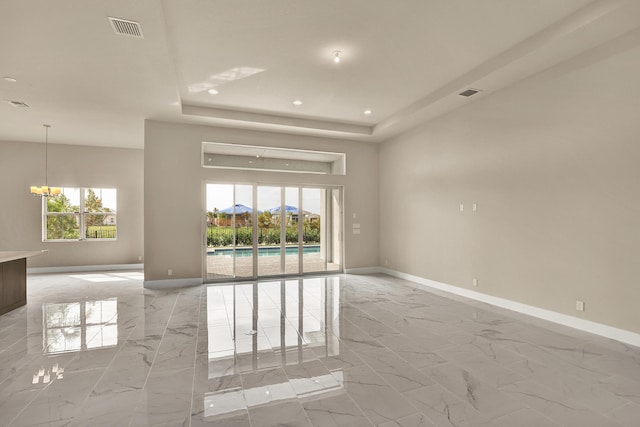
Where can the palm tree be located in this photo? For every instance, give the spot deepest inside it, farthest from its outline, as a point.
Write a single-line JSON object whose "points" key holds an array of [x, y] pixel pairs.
{"points": [[265, 220]]}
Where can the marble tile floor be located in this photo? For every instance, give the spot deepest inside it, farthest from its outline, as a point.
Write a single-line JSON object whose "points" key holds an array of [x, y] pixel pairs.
{"points": [[97, 349]]}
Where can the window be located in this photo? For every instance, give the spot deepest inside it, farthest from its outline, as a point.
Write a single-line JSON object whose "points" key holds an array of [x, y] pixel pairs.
{"points": [[250, 157], [80, 214]]}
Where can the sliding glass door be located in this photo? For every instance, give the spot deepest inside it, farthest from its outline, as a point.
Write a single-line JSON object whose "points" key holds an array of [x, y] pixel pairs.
{"points": [[269, 235], [264, 231], [292, 226]]}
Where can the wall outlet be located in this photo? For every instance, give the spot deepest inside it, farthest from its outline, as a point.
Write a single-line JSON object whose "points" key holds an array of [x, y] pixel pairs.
{"points": [[475, 282], [140, 258], [580, 305], [386, 262], [169, 272], [461, 207], [475, 207]]}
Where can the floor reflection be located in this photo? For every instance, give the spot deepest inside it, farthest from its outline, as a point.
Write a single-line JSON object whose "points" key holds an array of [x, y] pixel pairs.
{"points": [[245, 320], [46, 375], [78, 326], [259, 327]]}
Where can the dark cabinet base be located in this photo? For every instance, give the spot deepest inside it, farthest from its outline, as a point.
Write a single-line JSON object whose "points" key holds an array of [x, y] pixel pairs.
{"points": [[13, 284]]}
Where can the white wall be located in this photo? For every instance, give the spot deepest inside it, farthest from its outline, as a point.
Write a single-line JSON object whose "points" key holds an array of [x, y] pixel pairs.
{"points": [[174, 195], [22, 165], [558, 199]]}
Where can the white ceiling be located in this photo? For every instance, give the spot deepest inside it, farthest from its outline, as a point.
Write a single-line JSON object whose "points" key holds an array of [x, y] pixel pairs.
{"points": [[405, 60]]}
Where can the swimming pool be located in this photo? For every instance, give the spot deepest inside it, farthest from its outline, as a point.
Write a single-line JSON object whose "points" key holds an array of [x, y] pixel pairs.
{"points": [[269, 251]]}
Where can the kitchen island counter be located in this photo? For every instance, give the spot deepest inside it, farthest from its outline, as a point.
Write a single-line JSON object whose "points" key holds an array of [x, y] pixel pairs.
{"points": [[13, 278]]}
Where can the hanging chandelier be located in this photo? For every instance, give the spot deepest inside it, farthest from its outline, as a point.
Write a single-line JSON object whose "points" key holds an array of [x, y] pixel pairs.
{"points": [[45, 190]]}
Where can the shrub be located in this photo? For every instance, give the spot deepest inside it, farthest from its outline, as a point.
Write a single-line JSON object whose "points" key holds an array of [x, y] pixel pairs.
{"points": [[224, 236]]}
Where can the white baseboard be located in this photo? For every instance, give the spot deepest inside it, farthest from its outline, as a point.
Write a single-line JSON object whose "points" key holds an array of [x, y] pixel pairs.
{"points": [[77, 268], [363, 270], [552, 316], [172, 283]]}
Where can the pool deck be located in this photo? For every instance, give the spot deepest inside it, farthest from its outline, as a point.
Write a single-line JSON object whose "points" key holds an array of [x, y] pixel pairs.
{"points": [[221, 267]]}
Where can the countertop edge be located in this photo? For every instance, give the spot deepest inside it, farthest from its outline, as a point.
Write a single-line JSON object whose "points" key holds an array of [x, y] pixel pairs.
{"points": [[6, 256]]}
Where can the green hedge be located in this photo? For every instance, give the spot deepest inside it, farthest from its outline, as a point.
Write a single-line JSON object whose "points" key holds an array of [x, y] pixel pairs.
{"points": [[223, 236]]}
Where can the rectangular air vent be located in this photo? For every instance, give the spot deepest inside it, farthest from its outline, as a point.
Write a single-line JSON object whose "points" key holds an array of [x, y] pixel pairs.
{"points": [[19, 104], [125, 27], [469, 92]]}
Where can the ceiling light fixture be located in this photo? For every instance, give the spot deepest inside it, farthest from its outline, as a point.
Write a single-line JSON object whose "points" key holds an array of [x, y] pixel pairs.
{"points": [[213, 91], [10, 79], [45, 190], [297, 102], [336, 56], [469, 92], [367, 112]]}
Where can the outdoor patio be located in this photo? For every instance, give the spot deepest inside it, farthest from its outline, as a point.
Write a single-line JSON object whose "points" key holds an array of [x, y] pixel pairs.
{"points": [[221, 266]]}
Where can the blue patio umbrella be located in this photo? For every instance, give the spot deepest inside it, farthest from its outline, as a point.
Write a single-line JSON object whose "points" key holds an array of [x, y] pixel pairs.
{"points": [[287, 209], [240, 209]]}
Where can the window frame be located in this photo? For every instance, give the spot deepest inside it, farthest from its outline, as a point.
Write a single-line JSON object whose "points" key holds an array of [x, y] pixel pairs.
{"points": [[80, 216]]}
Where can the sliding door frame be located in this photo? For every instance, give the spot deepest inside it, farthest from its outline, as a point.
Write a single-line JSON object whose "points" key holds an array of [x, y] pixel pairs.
{"points": [[327, 217]]}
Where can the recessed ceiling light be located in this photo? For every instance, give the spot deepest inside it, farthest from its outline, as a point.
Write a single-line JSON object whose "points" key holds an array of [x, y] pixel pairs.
{"points": [[213, 91], [469, 92], [297, 102], [10, 79], [336, 56], [367, 112]]}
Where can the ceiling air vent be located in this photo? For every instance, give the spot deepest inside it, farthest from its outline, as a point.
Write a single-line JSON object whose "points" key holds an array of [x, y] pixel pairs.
{"points": [[19, 104], [469, 92], [126, 28]]}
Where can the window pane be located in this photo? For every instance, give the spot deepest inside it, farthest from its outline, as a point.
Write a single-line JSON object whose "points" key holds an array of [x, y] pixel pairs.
{"points": [[63, 227], [219, 231], [291, 213], [269, 230], [100, 213], [67, 201], [244, 230], [100, 200], [99, 226], [313, 202]]}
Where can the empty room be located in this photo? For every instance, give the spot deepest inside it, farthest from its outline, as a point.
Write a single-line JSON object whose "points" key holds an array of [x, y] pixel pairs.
{"points": [[319, 213]]}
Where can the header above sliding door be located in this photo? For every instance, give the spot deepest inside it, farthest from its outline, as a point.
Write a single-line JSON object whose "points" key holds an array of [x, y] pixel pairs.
{"points": [[236, 156]]}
